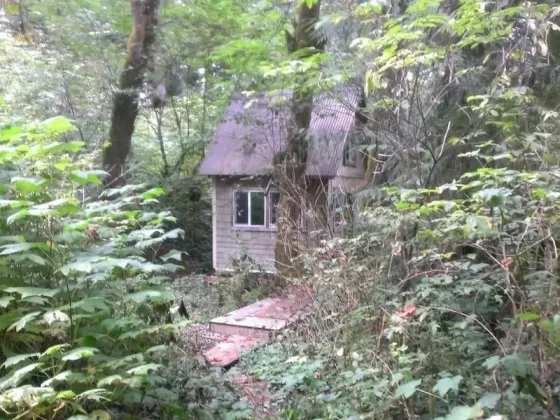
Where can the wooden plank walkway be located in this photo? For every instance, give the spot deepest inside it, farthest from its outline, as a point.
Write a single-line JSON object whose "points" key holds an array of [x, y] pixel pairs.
{"points": [[252, 326]]}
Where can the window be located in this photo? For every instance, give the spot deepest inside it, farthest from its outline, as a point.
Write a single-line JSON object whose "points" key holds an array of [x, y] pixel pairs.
{"points": [[249, 208], [254, 208], [274, 199]]}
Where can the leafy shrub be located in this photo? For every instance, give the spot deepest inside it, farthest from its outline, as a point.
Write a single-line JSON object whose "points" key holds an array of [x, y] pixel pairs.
{"points": [[189, 202], [81, 309]]}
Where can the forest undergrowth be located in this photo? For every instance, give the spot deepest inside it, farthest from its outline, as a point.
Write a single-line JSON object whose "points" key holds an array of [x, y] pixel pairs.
{"points": [[441, 302]]}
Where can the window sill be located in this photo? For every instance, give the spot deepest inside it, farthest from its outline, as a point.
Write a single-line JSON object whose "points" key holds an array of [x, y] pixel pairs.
{"points": [[254, 228]]}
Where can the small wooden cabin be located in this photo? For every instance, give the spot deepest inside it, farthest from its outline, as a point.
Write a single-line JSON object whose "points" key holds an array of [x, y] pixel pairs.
{"points": [[239, 161]]}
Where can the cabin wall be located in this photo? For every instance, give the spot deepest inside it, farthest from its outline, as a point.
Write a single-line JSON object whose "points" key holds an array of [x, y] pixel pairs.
{"points": [[259, 243], [348, 180], [231, 241]]}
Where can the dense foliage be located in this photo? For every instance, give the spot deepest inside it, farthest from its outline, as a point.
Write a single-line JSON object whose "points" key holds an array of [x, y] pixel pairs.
{"points": [[83, 312], [440, 303]]}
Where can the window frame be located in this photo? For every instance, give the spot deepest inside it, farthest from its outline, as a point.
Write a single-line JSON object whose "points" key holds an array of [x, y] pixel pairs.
{"points": [[249, 206]]}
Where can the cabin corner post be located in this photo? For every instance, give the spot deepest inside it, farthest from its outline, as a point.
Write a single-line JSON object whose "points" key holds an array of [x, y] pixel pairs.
{"points": [[214, 224]]}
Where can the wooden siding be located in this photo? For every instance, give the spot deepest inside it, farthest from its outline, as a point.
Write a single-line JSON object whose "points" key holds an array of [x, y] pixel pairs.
{"points": [[259, 243], [230, 241]]}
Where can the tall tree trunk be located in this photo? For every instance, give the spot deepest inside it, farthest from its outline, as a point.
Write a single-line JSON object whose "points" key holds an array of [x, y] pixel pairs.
{"points": [[292, 162], [125, 101]]}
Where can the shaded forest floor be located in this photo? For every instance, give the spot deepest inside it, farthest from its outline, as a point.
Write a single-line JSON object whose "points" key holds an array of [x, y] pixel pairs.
{"points": [[206, 297]]}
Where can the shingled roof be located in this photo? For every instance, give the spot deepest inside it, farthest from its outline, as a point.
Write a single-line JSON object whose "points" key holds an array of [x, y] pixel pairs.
{"points": [[254, 129]]}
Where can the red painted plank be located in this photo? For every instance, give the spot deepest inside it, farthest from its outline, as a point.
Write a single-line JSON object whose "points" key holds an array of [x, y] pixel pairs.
{"points": [[231, 349]]}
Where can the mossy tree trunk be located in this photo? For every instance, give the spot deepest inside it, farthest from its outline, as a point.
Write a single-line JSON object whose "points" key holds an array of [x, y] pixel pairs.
{"points": [[125, 101], [292, 162]]}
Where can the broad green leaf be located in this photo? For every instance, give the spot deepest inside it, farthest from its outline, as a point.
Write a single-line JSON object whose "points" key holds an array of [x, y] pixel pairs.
{"points": [[32, 291], [157, 349], [166, 394], [16, 216], [172, 234], [57, 125], [80, 353], [14, 360], [96, 394], [109, 380], [153, 193], [517, 364], [28, 393], [528, 316], [99, 415], [67, 377], [10, 133], [492, 362], [144, 369], [26, 257], [65, 394], [173, 255], [22, 322], [8, 153], [5, 301], [465, 413], [37, 300], [445, 384], [87, 177], [91, 304], [12, 8], [489, 400], [71, 146], [496, 197], [54, 349], [79, 266], [15, 204], [9, 318], [22, 246], [407, 390], [61, 207], [16, 377], [28, 185]]}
